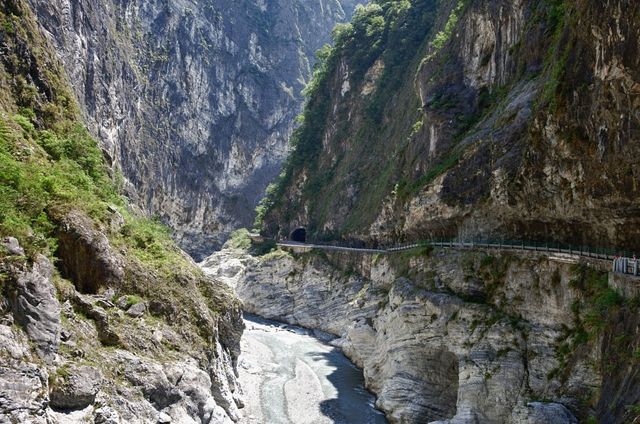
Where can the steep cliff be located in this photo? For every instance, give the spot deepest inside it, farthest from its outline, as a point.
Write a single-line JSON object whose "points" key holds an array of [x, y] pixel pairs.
{"points": [[461, 336], [472, 118], [102, 318], [192, 101]]}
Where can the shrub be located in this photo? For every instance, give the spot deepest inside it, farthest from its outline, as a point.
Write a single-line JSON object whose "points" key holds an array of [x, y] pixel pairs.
{"points": [[133, 300], [240, 239]]}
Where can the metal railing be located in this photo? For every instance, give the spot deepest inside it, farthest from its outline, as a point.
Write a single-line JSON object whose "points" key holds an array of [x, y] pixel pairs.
{"points": [[583, 251], [513, 245], [624, 265]]}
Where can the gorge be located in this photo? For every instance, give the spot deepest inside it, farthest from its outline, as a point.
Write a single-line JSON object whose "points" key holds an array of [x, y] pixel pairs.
{"points": [[210, 89], [137, 137]]}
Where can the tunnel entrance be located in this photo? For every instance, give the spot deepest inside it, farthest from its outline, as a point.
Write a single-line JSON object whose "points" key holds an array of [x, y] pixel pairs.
{"points": [[299, 235]]}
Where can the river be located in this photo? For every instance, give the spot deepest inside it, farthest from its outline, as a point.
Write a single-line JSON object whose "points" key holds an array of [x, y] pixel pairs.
{"points": [[291, 377]]}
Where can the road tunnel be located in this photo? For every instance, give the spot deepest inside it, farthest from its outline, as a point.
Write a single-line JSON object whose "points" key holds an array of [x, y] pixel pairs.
{"points": [[299, 235]]}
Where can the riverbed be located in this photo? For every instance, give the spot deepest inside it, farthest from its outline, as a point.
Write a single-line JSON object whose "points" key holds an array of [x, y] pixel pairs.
{"points": [[290, 376]]}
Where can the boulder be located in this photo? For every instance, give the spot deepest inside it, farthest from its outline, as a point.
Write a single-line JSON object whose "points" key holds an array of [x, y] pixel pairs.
{"points": [[35, 306], [549, 413], [88, 306], [164, 418], [22, 392], [137, 310], [106, 415], [75, 388], [12, 246]]}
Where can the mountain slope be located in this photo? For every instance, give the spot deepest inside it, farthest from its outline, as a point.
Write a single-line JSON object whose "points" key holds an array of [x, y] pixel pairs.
{"points": [[102, 317], [498, 120], [192, 101]]}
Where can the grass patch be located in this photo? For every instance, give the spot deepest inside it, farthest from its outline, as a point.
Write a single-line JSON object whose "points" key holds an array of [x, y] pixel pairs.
{"points": [[132, 300], [48, 171]]}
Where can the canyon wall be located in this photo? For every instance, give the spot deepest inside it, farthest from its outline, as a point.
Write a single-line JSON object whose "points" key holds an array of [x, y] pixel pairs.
{"points": [[103, 319], [193, 102], [473, 119], [460, 336]]}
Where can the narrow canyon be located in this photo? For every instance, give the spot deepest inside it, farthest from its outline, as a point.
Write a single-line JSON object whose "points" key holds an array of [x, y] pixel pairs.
{"points": [[327, 211]]}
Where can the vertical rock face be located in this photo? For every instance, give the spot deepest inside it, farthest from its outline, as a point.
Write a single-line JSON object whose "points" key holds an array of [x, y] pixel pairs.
{"points": [[508, 119], [193, 101], [36, 308], [103, 319]]}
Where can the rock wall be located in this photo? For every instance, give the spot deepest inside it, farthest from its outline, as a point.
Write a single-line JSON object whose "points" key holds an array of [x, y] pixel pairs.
{"points": [[193, 101], [455, 337], [103, 319], [102, 359], [508, 120]]}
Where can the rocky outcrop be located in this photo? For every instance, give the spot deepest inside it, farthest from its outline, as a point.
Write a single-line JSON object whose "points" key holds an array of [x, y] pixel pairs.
{"points": [[193, 102], [75, 388], [151, 372], [75, 257], [455, 337], [87, 257], [33, 303], [23, 382]]}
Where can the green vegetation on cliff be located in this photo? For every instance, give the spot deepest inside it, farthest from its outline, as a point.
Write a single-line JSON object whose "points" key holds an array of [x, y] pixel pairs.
{"points": [[391, 33], [49, 164], [432, 119], [53, 174]]}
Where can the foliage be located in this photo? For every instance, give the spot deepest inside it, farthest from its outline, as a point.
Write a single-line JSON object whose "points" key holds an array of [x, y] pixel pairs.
{"points": [[599, 299], [392, 31], [556, 11], [558, 55], [132, 300], [49, 163], [34, 183], [150, 242], [443, 36], [266, 247], [240, 239], [591, 314]]}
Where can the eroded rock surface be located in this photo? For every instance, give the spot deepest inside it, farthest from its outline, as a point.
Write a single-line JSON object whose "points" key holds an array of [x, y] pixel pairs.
{"points": [[454, 337], [87, 256], [75, 388], [517, 124], [34, 304], [87, 360], [192, 101]]}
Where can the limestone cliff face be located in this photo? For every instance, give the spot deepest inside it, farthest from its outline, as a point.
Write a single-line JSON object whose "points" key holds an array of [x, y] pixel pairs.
{"points": [[505, 120], [193, 101], [455, 336], [102, 318]]}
